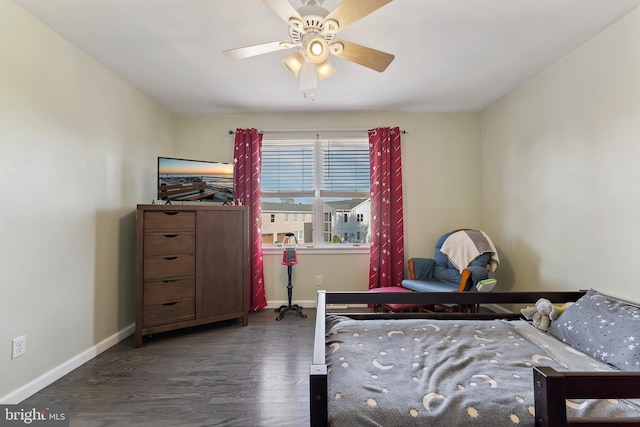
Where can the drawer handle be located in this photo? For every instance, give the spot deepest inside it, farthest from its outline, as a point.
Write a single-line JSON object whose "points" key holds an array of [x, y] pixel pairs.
{"points": [[170, 281], [167, 304], [170, 258], [170, 235], [170, 212]]}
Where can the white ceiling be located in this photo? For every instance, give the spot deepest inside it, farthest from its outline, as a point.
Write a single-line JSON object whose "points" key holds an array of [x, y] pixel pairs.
{"points": [[451, 55]]}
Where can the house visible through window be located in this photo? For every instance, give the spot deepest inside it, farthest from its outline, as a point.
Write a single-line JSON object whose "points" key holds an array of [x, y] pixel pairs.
{"points": [[317, 189]]}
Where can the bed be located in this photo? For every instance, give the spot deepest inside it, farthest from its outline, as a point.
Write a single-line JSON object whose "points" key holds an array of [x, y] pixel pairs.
{"points": [[476, 368]]}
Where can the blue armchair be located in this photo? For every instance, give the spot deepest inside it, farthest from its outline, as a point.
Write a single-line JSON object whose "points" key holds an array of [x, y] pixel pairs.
{"points": [[440, 274]]}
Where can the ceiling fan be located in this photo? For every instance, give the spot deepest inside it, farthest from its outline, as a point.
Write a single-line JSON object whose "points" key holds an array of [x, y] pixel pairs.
{"points": [[312, 30]]}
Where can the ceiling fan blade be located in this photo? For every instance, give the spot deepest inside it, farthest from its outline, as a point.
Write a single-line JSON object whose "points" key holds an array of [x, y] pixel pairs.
{"points": [[283, 9], [365, 56], [258, 49], [349, 11]]}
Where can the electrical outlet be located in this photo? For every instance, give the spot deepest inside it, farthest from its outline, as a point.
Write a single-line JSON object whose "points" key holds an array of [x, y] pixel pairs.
{"points": [[19, 346], [318, 280]]}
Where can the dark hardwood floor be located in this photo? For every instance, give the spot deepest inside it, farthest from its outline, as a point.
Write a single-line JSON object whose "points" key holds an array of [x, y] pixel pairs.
{"points": [[216, 375]]}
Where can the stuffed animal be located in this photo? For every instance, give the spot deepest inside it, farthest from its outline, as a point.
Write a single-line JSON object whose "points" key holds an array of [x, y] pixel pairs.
{"points": [[542, 314]]}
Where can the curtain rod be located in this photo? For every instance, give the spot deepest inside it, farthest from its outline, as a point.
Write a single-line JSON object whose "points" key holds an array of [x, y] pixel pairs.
{"points": [[317, 131]]}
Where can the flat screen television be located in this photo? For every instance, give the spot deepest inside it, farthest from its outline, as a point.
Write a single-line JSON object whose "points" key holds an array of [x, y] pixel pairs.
{"points": [[188, 180]]}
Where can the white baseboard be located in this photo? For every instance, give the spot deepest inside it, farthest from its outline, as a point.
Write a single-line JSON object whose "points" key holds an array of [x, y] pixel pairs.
{"points": [[303, 303], [60, 371]]}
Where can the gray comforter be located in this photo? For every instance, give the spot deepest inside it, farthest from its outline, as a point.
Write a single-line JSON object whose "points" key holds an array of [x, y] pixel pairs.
{"points": [[439, 373]]}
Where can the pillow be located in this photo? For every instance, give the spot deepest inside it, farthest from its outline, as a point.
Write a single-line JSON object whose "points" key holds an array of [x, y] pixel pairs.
{"points": [[603, 327]]}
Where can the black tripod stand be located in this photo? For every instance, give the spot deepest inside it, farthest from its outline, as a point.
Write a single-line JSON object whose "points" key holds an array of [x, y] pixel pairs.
{"points": [[295, 307]]}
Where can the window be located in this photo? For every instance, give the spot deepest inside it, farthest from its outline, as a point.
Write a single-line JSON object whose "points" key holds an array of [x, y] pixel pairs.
{"points": [[272, 218], [324, 183]]}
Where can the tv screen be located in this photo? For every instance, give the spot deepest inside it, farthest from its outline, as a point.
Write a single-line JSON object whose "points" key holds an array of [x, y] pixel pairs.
{"points": [[188, 180]]}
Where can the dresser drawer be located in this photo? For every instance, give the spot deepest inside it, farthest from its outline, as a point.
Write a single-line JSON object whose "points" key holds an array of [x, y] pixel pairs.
{"points": [[171, 312], [163, 291], [169, 244], [169, 222], [169, 267]]}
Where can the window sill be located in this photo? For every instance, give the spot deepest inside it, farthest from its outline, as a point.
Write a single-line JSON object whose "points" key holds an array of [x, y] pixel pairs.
{"points": [[320, 250]]}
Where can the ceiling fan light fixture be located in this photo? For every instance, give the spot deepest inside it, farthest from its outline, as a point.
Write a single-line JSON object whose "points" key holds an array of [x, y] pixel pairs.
{"points": [[294, 63], [317, 50], [325, 70]]}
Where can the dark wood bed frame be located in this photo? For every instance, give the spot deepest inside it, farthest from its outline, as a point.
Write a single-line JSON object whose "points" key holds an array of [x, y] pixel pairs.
{"points": [[551, 387]]}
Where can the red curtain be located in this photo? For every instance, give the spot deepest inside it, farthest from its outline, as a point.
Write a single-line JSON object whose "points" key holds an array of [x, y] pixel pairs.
{"points": [[246, 155], [386, 266]]}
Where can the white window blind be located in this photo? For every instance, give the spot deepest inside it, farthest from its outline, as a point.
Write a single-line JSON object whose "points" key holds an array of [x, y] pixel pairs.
{"points": [[288, 167], [345, 167]]}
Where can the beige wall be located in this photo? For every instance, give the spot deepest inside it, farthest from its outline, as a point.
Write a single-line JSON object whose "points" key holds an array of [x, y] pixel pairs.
{"points": [[77, 153], [560, 161], [441, 177]]}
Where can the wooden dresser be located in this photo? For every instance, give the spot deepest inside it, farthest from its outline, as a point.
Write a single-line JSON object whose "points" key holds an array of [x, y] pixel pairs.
{"points": [[191, 266]]}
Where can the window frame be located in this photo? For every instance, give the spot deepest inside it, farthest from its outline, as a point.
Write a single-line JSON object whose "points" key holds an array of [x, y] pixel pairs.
{"points": [[319, 194]]}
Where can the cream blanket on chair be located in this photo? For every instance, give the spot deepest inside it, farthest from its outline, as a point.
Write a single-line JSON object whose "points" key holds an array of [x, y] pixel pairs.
{"points": [[464, 246]]}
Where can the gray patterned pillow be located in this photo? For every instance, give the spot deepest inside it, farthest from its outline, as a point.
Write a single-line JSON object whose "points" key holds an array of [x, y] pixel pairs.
{"points": [[603, 327]]}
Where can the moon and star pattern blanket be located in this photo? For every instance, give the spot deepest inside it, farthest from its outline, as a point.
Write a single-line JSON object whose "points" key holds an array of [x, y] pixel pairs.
{"points": [[450, 373]]}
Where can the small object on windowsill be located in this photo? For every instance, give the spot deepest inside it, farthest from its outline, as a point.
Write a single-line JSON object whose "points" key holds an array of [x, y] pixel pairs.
{"points": [[486, 285]]}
